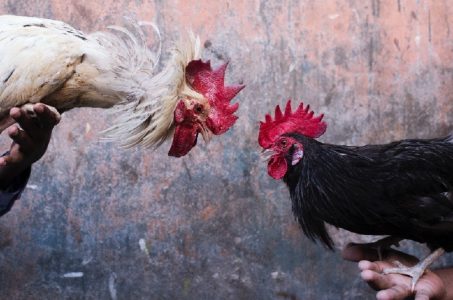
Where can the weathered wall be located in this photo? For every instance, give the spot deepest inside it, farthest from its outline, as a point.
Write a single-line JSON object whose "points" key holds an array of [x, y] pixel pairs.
{"points": [[215, 224]]}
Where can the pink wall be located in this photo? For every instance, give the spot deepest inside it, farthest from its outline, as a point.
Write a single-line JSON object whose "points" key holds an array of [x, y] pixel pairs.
{"points": [[215, 224]]}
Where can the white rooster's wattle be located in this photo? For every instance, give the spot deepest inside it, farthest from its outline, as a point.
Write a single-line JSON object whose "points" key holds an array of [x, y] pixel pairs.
{"points": [[49, 61]]}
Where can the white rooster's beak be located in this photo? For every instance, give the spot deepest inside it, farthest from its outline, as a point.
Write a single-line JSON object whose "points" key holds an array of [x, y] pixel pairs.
{"points": [[206, 134]]}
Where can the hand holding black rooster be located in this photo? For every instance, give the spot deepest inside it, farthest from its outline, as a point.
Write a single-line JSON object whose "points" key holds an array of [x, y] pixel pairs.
{"points": [[432, 285]]}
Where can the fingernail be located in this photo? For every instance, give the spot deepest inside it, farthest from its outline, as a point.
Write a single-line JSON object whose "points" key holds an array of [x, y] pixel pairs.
{"points": [[14, 112], [13, 131], [366, 275], [363, 264], [39, 108]]}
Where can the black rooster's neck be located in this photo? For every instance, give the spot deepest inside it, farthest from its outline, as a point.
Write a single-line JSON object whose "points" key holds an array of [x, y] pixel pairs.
{"points": [[303, 182], [312, 150]]}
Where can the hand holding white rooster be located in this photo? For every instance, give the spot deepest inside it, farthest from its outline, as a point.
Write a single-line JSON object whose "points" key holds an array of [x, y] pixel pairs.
{"points": [[30, 141]]}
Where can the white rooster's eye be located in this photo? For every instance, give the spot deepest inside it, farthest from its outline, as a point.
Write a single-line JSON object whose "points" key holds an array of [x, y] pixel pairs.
{"points": [[198, 108]]}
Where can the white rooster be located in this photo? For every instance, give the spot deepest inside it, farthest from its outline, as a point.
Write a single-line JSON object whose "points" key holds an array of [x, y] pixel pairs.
{"points": [[49, 61]]}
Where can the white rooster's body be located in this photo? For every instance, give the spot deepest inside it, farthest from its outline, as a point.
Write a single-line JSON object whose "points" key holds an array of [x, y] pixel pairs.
{"points": [[48, 61]]}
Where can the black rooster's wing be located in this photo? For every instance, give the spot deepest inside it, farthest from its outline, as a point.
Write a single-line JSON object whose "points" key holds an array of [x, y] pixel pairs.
{"points": [[417, 177], [401, 189]]}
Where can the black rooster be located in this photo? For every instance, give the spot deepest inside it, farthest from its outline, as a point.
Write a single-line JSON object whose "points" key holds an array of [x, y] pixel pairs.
{"points": [[402, 189]]}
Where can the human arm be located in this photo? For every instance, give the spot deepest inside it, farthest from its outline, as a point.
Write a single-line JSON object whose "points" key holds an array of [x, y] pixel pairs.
{"points": [[30, 142], [435, 284]]}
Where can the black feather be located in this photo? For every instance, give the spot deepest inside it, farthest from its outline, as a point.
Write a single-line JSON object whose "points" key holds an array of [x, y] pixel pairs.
{"points": [[401, 189]]}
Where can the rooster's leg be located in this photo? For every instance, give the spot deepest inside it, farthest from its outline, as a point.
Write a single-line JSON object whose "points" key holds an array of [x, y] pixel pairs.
{"points": [[416, 271]]}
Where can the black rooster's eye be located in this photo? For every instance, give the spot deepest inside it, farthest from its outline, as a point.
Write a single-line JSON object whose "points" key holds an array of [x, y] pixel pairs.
{"points": [[283, 142]]}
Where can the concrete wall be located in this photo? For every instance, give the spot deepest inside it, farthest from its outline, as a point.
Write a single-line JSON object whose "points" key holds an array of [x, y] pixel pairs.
{"points": [[214, 224]]}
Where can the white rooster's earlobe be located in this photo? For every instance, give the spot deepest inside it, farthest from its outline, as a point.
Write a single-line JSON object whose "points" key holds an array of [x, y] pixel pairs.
{"points": [[297, 156]]}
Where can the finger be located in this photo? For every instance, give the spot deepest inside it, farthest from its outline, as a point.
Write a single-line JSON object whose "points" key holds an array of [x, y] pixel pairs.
{"points": [[396, 292], [372, 275], [46, 116], [15, 156], [3, 161], [20, 137], [15, 113], [422, 295], [375, 280], [377, 266], [357, 252], [25, 120]]}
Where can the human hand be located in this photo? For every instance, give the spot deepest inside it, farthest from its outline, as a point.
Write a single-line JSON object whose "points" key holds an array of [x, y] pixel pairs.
{"points": [[30, 140], [393, 286]]}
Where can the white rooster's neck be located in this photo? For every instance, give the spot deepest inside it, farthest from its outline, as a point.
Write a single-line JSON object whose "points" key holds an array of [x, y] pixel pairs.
{"points": [[143, 103]]}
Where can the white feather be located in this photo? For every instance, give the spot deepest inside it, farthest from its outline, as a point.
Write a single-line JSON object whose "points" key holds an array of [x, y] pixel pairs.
{"points": [[48, 61]]}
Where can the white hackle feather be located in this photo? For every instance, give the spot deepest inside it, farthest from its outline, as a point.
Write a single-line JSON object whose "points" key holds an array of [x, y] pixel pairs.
{"points": [[49, 61], [147, 117]]}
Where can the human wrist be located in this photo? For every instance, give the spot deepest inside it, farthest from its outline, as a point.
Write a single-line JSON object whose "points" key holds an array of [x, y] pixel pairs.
{"points": [[12, 175]]}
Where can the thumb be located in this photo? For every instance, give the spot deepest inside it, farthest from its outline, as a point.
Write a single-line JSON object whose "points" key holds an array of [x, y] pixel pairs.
{"points": [[423, 295], [6, 122]]}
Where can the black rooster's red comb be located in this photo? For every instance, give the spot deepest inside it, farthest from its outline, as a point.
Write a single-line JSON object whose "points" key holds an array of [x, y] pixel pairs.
{"points": [[301, 121]]}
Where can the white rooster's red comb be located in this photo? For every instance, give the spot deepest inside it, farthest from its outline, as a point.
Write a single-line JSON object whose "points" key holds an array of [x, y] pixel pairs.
{"points": [[301, 121], [210, 83]]}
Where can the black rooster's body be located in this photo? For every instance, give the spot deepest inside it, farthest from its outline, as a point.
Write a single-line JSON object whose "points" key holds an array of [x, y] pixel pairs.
{"points": [[401, 189]]}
